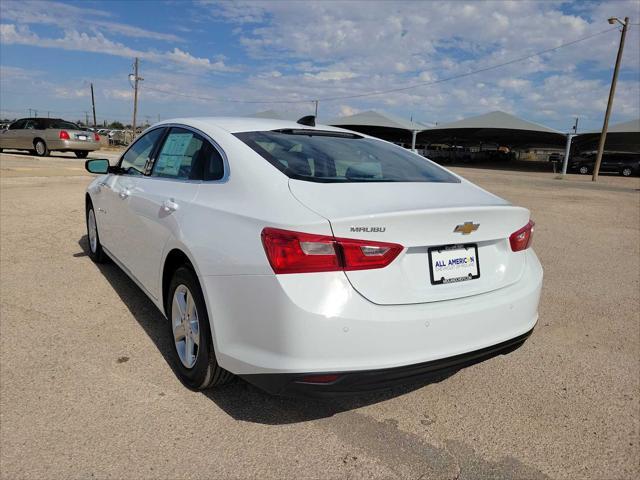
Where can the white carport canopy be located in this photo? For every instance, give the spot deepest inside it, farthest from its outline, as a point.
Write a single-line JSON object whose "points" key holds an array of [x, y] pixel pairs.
{"points": [[632, 126], [382, 125], [623, 136], [497, 127]]}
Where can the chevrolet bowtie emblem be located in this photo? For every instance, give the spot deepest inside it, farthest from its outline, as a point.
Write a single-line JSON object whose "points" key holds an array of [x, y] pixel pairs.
{"points": [[466, 228]]}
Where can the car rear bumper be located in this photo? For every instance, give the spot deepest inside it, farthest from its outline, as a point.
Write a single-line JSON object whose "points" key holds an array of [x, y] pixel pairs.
{"points": [[300, 385], [288, 324], [73, 145]]}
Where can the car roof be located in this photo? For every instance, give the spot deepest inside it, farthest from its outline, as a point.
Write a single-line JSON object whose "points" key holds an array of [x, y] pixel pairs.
{"points": [[247, 124], [44, 118]]}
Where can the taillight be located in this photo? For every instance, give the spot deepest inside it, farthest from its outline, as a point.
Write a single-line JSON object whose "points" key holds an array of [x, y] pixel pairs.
{"points": [[296, 252], [96, 137], [521, 239], [64, 135], [293, 252], [363, 254]]}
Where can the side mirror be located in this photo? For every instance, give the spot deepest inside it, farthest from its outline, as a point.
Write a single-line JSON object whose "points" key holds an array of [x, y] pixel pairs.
{"points": [[100, 165]]}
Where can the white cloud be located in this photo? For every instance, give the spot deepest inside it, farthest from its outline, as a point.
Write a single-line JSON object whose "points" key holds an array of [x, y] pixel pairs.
{"points": [[118, 93], [185, 58], [331, 76], [384, 45], [307, 50], [67, 92], [514, 83], [67, 16], [98, 43], [9, 73], [347, 110], [239, 12]]}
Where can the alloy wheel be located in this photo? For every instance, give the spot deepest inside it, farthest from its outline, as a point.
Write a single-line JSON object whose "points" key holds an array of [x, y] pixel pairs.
{"points": [[185, 325], [93, 231]]}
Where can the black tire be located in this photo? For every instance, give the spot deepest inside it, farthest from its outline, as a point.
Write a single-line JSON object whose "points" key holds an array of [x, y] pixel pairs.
{"points": [[626, 171], [205, 372], [40, 147], [95, 251], [81, 153]]}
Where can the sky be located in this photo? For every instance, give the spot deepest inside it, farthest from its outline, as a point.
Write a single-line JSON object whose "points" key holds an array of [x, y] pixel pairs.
{"points": [[225, 58]]}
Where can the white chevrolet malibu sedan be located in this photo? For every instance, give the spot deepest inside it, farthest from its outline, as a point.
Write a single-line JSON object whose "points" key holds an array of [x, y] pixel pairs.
{"points": [[312, 260]]}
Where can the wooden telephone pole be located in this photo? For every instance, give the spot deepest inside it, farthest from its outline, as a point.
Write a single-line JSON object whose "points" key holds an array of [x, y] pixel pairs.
{"points": [[136, 79], [93, 105], [612, 92]]}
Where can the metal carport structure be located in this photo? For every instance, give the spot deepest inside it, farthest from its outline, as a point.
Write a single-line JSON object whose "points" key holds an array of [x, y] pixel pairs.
{"points": [[381, 125], [624, 137], [497, 128]]}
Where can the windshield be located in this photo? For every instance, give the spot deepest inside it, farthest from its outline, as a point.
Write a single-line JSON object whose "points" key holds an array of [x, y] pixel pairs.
{"points": [[333, 157]]}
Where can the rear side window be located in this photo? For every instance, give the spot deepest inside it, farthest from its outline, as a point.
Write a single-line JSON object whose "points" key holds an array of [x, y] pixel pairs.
{"points": [[185, 155], [17, 125], [334, 157], [134, 161]]}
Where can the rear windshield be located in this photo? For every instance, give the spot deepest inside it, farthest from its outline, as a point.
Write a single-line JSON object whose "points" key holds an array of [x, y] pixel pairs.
{"points": [[332, 157], [62, 124]]}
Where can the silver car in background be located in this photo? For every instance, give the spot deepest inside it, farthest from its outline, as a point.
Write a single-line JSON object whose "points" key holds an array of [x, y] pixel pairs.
{"points": [[43, 135]]}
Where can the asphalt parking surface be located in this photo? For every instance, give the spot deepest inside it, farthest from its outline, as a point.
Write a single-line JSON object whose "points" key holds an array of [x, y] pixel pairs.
{"points": [[87, 392]]}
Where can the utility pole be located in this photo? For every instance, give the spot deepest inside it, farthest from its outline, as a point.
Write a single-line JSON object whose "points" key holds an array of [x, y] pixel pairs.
{"points": [[93, 105], [86, 118], [29, 113], [567, 150], [316, 102], [136, 79], [612, 92]]}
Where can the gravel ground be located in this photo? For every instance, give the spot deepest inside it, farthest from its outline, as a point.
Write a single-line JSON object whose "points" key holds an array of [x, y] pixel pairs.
{"points": [[86, 390]]}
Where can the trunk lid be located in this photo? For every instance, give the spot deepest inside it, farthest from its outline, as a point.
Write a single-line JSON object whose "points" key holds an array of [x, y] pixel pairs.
{"points": [[419, 216], [79, 135]]}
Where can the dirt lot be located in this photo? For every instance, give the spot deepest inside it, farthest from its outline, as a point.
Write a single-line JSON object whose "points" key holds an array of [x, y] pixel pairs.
{"points": [[86, 390]]}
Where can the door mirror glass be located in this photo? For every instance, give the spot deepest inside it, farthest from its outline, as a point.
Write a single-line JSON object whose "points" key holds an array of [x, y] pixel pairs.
{"points": [[100, 165]]}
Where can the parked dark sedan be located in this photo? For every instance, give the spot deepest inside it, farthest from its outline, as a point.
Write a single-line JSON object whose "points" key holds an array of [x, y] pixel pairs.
{"points": [[622, 163]]}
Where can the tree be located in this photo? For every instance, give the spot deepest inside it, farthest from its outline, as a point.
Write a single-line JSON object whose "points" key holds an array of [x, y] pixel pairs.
{"points": [[116, 125]]}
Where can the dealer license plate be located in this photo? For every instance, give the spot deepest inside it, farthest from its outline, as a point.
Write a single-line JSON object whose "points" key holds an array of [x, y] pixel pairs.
{"points": [[453, 263]]}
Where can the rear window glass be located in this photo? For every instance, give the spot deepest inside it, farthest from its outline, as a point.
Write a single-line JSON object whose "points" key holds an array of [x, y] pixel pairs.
{"points": [[62, 124], [330, 157]]}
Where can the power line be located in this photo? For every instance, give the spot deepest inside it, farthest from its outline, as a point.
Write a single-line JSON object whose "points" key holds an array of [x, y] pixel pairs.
{"points": [[473, 72], [392, 90]]}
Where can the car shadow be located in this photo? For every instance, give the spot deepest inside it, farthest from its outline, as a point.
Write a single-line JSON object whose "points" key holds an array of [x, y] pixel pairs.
{"points": [[239, 399], [30, 154]]}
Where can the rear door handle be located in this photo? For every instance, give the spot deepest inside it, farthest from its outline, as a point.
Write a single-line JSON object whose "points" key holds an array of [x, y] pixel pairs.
{"points": [[124, 193], [169, 205]]}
